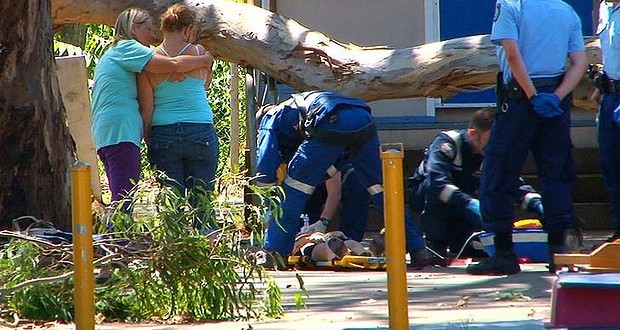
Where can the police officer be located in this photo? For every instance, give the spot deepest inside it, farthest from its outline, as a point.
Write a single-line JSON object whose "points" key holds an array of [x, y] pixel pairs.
{"points": [[444, 187], [608, 84], [535, 37], [335, 130]]}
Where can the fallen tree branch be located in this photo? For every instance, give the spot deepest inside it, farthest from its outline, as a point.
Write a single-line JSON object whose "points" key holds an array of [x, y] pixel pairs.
{"points": [[308, 60], [47, 280]]}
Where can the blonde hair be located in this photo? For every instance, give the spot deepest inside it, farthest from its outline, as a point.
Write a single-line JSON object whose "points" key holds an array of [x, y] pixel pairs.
{"points": [[176, 18], [127, 20]]}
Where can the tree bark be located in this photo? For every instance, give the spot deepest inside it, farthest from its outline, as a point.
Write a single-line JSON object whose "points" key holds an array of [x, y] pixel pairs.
{"points": [[307, 59], [34, 141]]}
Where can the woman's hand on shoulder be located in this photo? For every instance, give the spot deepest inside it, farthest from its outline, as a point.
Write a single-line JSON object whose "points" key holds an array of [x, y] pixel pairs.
{"points": [[203, 51]]}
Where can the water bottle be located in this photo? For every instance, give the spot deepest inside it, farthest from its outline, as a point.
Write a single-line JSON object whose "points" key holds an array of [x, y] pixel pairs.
{"points": [[306, 219]]}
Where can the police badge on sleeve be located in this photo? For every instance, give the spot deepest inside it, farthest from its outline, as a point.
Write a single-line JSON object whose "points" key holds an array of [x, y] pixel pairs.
{"points": [[448, 150]]}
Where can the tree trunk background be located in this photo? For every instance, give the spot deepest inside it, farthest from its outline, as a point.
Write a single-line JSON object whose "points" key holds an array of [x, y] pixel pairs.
{"points": [[35, 146], [74, 34], [306, 59]]}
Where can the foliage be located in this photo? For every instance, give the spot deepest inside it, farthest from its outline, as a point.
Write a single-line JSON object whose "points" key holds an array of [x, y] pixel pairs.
{"points": [[219, 94], [160, 264], [98, 37], [20, 261]]}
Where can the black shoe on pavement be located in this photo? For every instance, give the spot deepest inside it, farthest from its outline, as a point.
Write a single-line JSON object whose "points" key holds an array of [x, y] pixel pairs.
{"points": [[418, 259], [422, 257], [498, 264]]}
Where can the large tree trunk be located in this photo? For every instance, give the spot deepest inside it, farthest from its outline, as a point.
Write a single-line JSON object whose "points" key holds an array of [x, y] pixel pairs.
{"points": [[307, 59], [35, 145]]}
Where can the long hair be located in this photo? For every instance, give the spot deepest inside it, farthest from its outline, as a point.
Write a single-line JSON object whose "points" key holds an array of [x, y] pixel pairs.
{"points": [[126, 20]]}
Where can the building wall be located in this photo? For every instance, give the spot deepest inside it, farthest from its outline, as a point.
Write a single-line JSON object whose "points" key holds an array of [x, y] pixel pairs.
{"points": [[394, 23]]}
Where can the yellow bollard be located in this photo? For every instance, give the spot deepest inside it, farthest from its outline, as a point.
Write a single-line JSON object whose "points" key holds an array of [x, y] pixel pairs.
{"points": [[394, 219], [83, 278]]}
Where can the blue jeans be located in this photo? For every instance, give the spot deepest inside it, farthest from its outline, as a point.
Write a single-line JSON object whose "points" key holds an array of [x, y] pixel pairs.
{"points": [[187, 153]]}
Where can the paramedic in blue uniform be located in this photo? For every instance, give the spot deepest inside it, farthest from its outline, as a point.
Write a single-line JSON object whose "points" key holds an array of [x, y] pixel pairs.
{"points": [[341, 192], [444, 187], [608, 85], [336, 130], [535, 37]]}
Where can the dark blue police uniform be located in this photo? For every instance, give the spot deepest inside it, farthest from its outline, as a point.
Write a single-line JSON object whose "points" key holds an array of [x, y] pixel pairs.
{"points": [[444, 183], [609, 115], [545, 32], [340, 131]]}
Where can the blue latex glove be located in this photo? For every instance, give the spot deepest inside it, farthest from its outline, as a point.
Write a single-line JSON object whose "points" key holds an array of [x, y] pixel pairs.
{"points": [[535, 206], [547, 105], [616, 116], [473, 214], [474, 206]]}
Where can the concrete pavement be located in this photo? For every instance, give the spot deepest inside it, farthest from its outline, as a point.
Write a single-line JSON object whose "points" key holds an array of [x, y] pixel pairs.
{"points": [[438, 298]]}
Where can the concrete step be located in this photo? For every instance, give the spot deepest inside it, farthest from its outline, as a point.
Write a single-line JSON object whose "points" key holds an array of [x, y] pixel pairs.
{"points": [[587, 188], [586, 161]]}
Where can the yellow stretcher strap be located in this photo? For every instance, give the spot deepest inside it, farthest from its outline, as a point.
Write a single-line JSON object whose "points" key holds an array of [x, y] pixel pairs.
{"points": [[348, 261]]}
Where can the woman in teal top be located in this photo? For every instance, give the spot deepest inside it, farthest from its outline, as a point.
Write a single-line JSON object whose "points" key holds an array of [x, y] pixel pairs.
{"points": [[117, 125], [178, 120]]}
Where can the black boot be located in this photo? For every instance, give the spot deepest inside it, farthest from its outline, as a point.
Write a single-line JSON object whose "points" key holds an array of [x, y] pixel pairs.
{"points": [[418, 258], [503, 262]]}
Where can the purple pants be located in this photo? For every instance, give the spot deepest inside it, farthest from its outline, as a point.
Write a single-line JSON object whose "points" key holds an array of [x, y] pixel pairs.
{"points": [[122, 167]]}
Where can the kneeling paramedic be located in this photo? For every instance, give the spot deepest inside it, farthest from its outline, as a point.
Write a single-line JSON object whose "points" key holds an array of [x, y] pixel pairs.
{"points": [[336, 130], [444, 187]]}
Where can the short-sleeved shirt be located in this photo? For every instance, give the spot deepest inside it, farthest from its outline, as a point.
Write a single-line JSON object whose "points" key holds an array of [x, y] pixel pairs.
{"points": [[115, 110], [609, 34], [546, 31]]}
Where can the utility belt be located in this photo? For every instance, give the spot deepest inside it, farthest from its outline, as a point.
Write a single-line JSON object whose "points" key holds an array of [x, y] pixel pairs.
{"points": [[513, 90], [352, 139], [606, 85]]}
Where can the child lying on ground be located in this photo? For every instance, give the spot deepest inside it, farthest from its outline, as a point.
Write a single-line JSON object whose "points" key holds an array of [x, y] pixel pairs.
{"points": [[328, 246]]}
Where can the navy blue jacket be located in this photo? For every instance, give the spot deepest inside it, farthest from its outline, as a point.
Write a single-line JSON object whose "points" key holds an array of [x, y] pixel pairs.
{"points": [[450, 173]]}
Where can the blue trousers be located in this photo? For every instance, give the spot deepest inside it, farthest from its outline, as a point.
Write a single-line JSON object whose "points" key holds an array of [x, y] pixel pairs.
{"points": [[609, 152], [309, 167], [448, 225], [354, 214], [516, 132]]}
